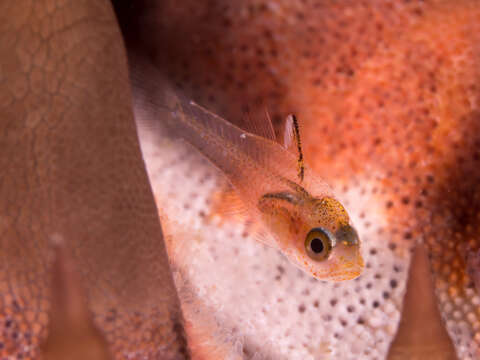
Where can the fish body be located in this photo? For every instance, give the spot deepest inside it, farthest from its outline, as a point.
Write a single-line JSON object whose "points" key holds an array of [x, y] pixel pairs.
{"points": [[298, 216]]}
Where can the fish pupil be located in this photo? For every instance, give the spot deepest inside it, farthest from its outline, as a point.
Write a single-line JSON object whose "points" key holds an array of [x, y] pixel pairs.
{"points": [[316, 245]]}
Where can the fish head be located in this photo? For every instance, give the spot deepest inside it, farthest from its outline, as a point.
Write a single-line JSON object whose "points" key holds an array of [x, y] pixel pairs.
{"points": [[328, 245], [317, 236]]}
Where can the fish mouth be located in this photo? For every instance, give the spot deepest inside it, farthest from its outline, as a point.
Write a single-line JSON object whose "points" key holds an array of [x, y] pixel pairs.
{"points": [[347, 251], [342, 271], [347, 274], [350, 263]]}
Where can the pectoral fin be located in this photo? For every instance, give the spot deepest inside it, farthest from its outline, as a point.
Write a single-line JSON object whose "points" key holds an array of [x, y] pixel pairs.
{"points": [[227, 205]]}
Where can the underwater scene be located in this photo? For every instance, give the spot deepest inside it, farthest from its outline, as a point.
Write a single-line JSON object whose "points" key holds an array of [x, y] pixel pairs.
{"points": [[240, 179]]}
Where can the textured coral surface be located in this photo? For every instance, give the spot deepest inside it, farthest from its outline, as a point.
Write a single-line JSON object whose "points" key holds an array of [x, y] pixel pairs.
{"points": [[388, 96], [387, 93], [71, 171]]}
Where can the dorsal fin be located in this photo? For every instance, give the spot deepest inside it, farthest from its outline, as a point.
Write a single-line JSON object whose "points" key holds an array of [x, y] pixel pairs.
{"points": [[288, 140], [240, 155], [258, 122], [268, 154], [291, 142]]}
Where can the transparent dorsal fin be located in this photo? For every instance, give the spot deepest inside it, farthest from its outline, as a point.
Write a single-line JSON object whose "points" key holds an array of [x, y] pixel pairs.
{"points": [[291, 141], [259, 123], [268, 154], [288, 140], [237, 153]]}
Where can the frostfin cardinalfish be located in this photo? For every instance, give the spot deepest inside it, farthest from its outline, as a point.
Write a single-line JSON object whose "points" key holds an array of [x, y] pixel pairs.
{"points": [[296, 211]]}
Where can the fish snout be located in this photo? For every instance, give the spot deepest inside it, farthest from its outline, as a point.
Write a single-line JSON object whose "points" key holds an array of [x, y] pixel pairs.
{"points": [[347, 252], [347, 235]]}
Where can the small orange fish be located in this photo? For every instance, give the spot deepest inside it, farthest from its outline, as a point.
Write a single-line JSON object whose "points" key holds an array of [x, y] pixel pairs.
{"points": [[296, 211]]}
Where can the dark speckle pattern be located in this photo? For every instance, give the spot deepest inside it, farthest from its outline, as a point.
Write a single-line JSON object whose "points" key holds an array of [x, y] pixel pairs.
{"points": [[387, 95]]}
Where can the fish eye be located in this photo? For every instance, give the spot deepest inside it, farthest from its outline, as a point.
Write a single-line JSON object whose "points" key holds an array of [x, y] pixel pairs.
{"points": [[318, 244]]}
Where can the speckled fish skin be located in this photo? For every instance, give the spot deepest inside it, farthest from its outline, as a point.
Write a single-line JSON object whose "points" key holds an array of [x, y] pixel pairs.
{"points": [[389, 94]]}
